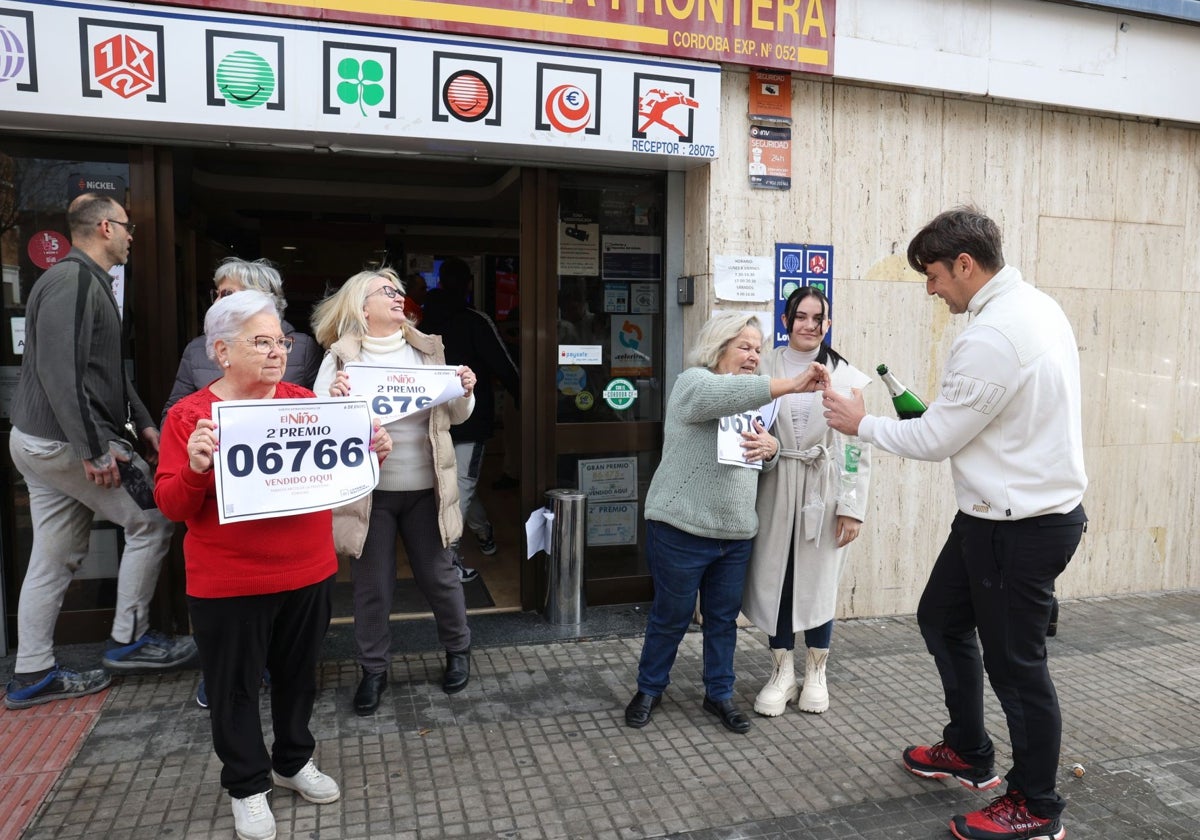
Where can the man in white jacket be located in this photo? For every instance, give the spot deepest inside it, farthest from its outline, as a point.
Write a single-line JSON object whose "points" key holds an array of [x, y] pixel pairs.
{"points": [[1008, 418]]}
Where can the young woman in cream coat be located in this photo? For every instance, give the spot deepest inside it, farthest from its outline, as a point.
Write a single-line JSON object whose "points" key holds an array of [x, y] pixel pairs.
{"points": [[807, 515]]}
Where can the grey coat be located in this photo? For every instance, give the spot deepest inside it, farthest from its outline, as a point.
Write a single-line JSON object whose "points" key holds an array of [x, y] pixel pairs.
{"points": [[197, 370], [798, 505]]}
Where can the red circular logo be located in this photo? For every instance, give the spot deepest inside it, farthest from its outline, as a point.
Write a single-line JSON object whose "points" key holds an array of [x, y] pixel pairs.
{"points": [[46, 247], [568, 108], [467, 95]]}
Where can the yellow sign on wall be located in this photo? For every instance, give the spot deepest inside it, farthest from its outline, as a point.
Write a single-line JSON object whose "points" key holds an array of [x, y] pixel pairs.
{"points": [[792, 35]]}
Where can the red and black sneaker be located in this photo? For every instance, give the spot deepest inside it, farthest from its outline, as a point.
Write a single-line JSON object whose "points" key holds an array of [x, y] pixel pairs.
{"points": [[1006, 818], [940, 762]]}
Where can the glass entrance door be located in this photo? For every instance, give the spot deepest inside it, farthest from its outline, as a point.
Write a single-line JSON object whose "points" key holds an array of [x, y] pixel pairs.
{"points": [[603, 395]]}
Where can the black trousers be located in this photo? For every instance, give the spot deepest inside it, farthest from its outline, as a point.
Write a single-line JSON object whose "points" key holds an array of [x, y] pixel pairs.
{"points": [[993, 584], [237, 638]]}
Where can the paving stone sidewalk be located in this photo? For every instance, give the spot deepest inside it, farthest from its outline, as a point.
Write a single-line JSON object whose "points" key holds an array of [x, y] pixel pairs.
{"points": [[536, 747]]}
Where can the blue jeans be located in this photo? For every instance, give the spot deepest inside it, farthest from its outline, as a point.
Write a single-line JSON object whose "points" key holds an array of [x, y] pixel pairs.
{"points": [[784, 637], [683, 565]]}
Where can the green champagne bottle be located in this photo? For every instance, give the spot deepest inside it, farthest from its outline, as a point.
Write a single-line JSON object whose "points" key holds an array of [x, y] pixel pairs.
{"points": [[907, 404]]}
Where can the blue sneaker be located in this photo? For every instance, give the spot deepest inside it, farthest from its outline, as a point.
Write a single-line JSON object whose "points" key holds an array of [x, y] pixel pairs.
{"points": [[152, 652], [59, 684]]}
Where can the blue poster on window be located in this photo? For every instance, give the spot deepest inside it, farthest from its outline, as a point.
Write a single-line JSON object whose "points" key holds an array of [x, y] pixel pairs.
{"points": [[796, 266]]}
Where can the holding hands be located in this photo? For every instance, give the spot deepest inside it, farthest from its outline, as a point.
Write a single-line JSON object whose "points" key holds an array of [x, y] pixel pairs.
{"points": [[381, 441], [844, 413], [759, 444], [202, 446], [468, 378]]}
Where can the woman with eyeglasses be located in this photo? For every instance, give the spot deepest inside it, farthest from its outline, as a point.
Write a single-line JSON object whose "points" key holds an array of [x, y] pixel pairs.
{"points": [[259, 592], [233, 275], [809, 510], [417, 494]]}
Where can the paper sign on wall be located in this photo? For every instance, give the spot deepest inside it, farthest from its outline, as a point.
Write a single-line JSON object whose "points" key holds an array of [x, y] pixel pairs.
{"points": [[743, 278]]}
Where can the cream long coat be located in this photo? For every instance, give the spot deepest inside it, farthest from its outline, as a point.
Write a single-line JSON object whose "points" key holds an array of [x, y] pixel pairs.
{"points": [[798, 503]]}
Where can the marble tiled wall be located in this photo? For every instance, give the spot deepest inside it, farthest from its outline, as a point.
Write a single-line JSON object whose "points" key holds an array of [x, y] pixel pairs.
{"points": [[1102, 213]]}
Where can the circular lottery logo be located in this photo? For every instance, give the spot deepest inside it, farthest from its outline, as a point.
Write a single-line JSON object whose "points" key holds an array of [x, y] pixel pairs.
{"points": [[568, 108], [245, 78], [584, 400], [12, 55], [46, 247], [467, 95]]}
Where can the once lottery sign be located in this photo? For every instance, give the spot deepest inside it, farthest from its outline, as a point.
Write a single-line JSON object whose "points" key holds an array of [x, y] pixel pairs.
{"points": [[286, 457]]}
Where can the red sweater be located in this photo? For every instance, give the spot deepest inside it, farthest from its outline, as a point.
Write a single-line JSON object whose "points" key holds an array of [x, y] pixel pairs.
{"points": [[240, 558]]}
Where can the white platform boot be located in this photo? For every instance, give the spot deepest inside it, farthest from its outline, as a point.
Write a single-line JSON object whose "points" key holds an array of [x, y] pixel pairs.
{"points": [[814, 698], [781, 689]]}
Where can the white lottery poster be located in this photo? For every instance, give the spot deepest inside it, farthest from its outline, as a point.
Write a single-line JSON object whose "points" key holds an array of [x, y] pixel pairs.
{"points": [[395, 392], [285, 457], [729, 434]]}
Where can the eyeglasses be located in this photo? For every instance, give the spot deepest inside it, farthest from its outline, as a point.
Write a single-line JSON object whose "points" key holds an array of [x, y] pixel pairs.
{"points": [[216, 294], [388, 291], [265, 344], [129, 226]]}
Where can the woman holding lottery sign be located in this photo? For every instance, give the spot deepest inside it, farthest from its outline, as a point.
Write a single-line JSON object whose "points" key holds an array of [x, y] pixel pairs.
{"points": [[700, 516], [259, 592], [417, 496]]}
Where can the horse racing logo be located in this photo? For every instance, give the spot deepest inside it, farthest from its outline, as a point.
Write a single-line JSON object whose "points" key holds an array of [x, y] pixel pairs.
{"points": [[665, 107]]}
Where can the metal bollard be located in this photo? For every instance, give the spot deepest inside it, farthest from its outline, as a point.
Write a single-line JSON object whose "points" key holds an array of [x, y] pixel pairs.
{"points": [[564, 589]]}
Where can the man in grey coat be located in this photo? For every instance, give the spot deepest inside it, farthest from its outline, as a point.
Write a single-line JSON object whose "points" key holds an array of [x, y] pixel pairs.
{"points": [[74, 403]]}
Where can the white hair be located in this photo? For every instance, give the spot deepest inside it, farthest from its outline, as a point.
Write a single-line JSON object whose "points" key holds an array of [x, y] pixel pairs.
{"points": [[716, 334], [229, 314]]}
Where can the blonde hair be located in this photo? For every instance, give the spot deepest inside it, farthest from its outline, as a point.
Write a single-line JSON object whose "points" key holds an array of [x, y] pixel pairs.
{"points": [[716, 334], [341, 314]]}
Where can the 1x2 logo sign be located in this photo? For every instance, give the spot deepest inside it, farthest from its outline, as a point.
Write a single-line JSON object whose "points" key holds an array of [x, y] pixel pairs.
{"points": [[123, 58]]}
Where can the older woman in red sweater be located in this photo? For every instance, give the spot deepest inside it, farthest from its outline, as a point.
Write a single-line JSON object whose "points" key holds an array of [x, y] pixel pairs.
{"points": [[259, 592]]}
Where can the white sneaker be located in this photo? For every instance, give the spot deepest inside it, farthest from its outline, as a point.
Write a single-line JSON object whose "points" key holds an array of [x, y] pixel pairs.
{"points": [[310, 783], [252, 818]]}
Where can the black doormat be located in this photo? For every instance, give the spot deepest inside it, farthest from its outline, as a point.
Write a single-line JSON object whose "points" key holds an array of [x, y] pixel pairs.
{"points": [[408, 599]]}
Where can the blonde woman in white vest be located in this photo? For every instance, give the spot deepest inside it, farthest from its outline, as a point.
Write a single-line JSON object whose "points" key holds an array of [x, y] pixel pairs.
{"points": [[807, 515]]}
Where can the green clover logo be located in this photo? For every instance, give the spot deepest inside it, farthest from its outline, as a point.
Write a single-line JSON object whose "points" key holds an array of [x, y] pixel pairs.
{"points": [[359, 83]]}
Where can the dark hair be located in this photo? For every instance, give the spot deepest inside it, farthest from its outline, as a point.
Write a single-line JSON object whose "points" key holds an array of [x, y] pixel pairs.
{"points": [[963, 230], [87, 211], [826, 355]]}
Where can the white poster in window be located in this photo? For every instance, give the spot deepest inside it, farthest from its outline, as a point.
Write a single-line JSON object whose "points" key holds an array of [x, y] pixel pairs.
{"points": [[612, 523], [743, 278], [287, 457], [578, 249], [608, 479], [17, 325], [632, 258]]}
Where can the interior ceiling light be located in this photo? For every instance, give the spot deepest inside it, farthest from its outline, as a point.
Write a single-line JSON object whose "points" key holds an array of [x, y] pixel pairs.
{"points": [[288, 247]]}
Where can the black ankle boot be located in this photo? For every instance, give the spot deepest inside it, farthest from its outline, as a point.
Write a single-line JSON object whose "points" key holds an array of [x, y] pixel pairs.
{"points": [[458, 671], [370, 690]]}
